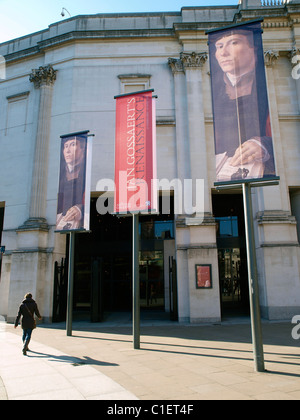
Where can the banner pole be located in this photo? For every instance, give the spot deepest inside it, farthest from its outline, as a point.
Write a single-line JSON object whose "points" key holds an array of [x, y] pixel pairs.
{"points": [[136, 281], [70, 283], [253, 281]]}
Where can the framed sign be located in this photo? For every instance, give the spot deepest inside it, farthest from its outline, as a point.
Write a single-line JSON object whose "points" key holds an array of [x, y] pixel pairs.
{"points": [[203, 276]]}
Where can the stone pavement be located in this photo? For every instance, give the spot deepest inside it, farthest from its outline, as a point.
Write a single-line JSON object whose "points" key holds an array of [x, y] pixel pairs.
{"points": [[175, 362]]}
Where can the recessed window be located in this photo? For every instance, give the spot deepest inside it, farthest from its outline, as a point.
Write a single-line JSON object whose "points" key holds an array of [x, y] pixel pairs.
{"points": [[227, 227], [17, 110], [134, 82]]}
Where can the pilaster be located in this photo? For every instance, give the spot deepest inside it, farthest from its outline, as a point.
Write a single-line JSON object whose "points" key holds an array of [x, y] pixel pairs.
{"points": [[32, 260], [182, 146], [196, 234], [277, 243], [193, 64], [274, 197], [43, 79]]}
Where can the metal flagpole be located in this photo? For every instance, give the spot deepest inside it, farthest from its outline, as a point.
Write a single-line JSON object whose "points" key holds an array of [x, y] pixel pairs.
{"points": [[70, 283], [136, 281], [253, 281]]}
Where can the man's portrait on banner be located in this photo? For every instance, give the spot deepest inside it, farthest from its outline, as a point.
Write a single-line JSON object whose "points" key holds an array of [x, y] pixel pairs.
{"points": [[243, 138], [72, 181]]}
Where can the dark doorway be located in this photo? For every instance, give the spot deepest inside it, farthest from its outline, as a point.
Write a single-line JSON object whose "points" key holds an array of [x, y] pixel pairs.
{"points": [[232, 258], [103, 264]]}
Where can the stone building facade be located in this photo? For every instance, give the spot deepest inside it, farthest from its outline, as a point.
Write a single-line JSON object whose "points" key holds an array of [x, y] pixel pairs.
{"points": [[64, 79]]}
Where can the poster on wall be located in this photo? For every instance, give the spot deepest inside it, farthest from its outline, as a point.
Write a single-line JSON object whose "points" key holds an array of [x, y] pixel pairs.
{"points": [[73, 205], [203, 276], [135, 153], [242, 130]]}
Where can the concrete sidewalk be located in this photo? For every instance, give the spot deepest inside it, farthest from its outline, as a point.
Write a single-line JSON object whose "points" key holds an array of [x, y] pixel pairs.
{"points": [[49, 374], [175, 362]]}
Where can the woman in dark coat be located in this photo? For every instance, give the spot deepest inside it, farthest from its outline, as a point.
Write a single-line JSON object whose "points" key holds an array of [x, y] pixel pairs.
{"points": [[27, 310]]}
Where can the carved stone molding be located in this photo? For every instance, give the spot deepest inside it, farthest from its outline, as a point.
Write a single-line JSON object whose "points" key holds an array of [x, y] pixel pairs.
{"points": [[34, 223], [193, 59], [176, 65], [271, 57], [275, 216], [43, 76]]}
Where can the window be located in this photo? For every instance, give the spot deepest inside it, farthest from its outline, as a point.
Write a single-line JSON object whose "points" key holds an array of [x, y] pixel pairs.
{"points": [[227, 227], [134, 82], [17, 110]]}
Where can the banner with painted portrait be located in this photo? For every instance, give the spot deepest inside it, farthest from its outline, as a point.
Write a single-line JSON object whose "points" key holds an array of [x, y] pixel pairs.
{"points": [[73, 205], [242, 129]]}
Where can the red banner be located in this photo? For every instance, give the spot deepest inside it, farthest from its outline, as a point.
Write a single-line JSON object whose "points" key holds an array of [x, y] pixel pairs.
{"points": [[135, 157]]}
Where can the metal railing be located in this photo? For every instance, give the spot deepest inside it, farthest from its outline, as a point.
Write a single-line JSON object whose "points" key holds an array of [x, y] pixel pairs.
{"points": [[272, 3]]}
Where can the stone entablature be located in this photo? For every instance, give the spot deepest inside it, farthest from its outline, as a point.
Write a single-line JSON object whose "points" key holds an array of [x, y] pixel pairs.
{"points": [[187, 25]]}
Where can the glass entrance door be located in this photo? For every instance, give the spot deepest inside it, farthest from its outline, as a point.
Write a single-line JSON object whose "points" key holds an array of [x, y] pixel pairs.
{"points": [[232, 282], [152, 279], [233, 275], [229, 266]]}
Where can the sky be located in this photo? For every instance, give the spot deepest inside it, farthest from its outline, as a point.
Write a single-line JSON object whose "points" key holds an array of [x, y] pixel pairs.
{"points": [[23, 17]]}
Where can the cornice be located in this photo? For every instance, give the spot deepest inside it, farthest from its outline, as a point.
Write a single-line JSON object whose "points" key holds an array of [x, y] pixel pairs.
{"points": [[173, 26], [74, 36]]}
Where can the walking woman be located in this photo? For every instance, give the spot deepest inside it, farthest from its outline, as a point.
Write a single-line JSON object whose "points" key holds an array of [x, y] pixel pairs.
{"points": [[27, 310]]}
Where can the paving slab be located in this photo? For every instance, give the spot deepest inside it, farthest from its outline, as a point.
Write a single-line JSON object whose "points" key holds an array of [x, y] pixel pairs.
{"points": [[49, 374], [175, 362]]}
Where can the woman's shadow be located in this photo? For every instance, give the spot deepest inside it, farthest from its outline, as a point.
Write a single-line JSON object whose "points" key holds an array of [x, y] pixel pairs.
{"points": [[74, 361]]}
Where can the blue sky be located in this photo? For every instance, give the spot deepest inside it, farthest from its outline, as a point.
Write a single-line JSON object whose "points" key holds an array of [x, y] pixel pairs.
{"points": [[22, 17]]}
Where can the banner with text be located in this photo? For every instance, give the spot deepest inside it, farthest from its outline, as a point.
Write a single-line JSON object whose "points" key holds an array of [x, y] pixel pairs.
{"points": [[243, 138], [73, 205], [135, 153]]}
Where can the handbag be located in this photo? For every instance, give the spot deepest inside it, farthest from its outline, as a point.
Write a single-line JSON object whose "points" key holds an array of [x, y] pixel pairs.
{"points": [[34, 321]]}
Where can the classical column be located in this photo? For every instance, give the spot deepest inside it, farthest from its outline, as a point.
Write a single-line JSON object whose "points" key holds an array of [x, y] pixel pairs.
{"points": [[193, 64], [32, 260], [273, 201], [281, 195], [183, 172], [43, 79], [182, 149], [276, 227], [196, 236]]}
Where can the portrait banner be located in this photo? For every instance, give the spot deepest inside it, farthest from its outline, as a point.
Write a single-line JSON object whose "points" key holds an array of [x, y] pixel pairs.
{"points": [[242, 129], [135, 153], [73, 205]]}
